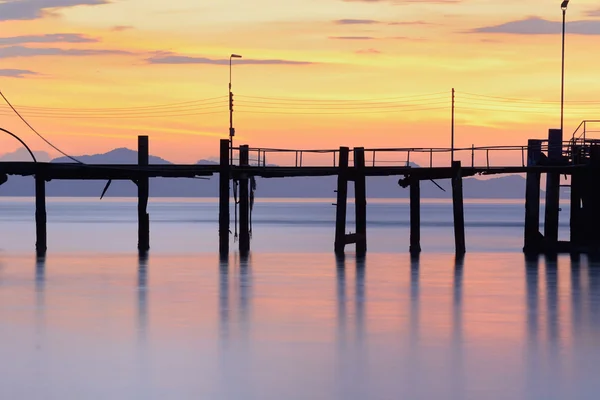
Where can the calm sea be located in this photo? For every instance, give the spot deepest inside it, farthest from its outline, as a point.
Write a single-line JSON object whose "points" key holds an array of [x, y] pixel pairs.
{"points": [[93, 321]]}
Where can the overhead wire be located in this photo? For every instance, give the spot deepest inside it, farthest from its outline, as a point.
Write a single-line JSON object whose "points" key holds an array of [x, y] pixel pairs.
{"points": [[36, 132]]}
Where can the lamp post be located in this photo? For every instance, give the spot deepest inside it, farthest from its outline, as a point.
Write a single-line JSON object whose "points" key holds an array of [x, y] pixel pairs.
{"points": [[231, 128], [563, 7]]}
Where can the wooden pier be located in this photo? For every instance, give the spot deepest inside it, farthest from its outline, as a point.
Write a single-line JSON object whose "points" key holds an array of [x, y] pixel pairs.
{"points": [[578, 158]]}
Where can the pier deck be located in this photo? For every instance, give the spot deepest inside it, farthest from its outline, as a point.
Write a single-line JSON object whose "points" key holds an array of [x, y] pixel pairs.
{"points": [[579, 159]]}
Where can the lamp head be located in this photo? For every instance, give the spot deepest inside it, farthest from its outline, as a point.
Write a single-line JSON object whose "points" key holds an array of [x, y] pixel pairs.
{"points": [[564, 5], [238, 56]]}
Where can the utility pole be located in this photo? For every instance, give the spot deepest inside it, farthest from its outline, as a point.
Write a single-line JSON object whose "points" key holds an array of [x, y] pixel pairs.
{"points": [[231, 128], [563, 7], [452, 141]]}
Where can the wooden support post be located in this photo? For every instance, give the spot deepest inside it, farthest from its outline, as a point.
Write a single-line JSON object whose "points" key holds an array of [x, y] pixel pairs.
{"points": [[143, 185], [40, 213], [592, 233], [575, 217], [224, 198], [552, 189], [342, 202], [360, 199], [532, 200], [457, 203], [415, 216], [244, 204]]}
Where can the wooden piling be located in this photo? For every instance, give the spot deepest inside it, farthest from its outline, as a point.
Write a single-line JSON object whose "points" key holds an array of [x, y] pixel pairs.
{"points": [[224, 198], [532, 200], [415, 216], [592, 208], [40, 214], [360, 199], [552, 189], [458, 207], [342, 201], [143, 185], [575, 215], [244, 242]]}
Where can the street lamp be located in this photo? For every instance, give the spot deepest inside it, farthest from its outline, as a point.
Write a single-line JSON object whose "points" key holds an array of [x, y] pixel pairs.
{"points": [[231, 129], [563, 7]]}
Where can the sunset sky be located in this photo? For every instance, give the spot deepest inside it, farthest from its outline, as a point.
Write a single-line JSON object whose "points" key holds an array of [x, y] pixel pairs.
{"points": [[91, 75]]}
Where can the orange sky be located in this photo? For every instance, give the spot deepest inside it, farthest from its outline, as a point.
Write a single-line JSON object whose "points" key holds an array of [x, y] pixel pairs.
{"points": [[315, 73]]}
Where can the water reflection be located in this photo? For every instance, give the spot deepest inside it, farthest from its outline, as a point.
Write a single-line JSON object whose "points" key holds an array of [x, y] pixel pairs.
{"points": [[235, 279], [376, 327], [142, 291], [352, 355]]}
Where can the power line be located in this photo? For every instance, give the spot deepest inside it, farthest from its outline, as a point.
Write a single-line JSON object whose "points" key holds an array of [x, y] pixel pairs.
{"points": [[36, 132], [342, 113], [292, 99]]}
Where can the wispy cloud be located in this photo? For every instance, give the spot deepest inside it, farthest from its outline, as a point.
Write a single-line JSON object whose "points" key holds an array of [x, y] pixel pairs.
{"points": [[356, 22], [411, 23], [377, 22], [48, 38], [172, 58], [23, 51], [539, 26], [352, 37], [593, 13], [16, 73], [368, 51], [121, 28], [406, 1], [33, 9], [359, 38]]}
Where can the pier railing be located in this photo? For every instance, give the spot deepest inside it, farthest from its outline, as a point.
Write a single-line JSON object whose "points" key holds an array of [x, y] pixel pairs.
{"points": [[474, 156]]}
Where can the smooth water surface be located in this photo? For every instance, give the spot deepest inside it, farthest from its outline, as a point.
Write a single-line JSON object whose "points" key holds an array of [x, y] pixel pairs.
{"points": [[93, 321]]}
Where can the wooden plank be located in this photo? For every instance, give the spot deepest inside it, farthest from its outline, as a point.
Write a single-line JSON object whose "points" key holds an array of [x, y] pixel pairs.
{"points": [[532, 200], [552, 189], [458, 208], [143, 184], [415, 217], [342, 201], [40, 214], [224, 198], [360, 198], [244, 242]]}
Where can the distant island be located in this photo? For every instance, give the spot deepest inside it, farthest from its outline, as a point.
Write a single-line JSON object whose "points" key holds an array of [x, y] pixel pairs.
{"points": [[505, 187]]}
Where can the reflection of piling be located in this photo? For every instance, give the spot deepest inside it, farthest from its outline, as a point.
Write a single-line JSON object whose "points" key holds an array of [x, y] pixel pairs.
{"points": [[531, 278], [142, 294], [532, 200], [224, 198], [40, 214], [143, 193], [342, 202], [458, 207]]}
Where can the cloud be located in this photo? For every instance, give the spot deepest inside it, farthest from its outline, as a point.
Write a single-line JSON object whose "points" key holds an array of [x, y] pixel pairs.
{"points": [[356, 22], [16, 73], [406, 1], [352, 37], [539, 26], [48, 38], [23, 51], [121, 28], [368, 51], [14, 10], [411, 23], [593, 13], [172, 58]]}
